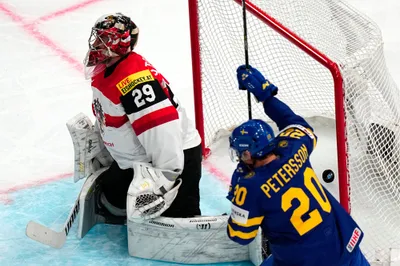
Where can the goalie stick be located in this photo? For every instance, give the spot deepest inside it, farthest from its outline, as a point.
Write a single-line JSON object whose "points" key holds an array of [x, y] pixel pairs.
{"points": [[49, 237]]}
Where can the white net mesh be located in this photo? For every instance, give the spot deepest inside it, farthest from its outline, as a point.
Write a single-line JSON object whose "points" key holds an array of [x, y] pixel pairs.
{"points": [[371, 110]]}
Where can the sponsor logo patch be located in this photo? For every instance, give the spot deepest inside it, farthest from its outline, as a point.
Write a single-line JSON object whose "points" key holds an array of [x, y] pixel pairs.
{"points": [[109, 144], [131, 81], [355, 237], [239, 215], [205, 220], [204, 226], [161, 224]]}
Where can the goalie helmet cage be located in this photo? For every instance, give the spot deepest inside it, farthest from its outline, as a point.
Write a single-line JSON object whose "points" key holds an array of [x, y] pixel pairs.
{"points": [[327, 58]]}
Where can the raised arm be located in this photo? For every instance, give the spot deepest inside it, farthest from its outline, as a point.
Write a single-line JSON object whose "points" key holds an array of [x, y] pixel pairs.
{"points": [[252, 80], [281, 114]]}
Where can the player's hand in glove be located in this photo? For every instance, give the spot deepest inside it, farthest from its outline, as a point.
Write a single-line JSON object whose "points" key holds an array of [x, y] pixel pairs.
{"points": [[252, 80], [151, 192]]}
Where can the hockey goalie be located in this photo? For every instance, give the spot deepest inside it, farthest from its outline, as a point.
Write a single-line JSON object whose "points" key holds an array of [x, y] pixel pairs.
{"points": [[138, 119], [141, 134]]}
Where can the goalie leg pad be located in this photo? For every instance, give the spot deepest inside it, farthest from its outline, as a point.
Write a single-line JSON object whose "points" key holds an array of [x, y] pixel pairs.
{"points": [[195, 240], [92, 210], [87, 203]]}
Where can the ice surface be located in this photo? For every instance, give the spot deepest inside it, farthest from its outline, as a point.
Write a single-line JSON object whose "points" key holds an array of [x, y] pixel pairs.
{"points": [[50, 204]]}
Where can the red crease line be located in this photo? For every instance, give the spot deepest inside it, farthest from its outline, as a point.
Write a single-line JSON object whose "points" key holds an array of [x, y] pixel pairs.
{"points": [[216, 172], [35, 33], [67, 10], [11, 14], [4, 194], [35, 183]]}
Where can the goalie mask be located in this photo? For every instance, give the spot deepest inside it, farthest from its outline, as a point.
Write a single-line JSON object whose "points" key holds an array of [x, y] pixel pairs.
{"points": [[113, 35]]}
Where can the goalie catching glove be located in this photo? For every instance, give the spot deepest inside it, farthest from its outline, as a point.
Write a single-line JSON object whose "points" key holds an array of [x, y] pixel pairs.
{"points": [[89, 151], [151, 192]]}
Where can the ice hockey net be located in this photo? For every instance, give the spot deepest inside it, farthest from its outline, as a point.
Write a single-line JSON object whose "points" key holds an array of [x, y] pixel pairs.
{"points": [[328, 59]]}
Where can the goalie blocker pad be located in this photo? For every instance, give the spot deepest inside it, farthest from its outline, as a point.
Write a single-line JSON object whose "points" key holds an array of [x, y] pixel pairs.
{"points": [[189, 240], [90, 154]]}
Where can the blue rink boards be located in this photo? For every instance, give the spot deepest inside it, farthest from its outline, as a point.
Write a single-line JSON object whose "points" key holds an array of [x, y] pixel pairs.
{"points": [[50, 204]]}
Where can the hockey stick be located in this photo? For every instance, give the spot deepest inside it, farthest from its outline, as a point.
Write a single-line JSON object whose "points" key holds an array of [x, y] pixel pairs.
{"points": [[246, 53], [49, 237]]}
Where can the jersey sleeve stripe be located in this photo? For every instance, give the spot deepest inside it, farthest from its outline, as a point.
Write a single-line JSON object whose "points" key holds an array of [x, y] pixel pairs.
{"points": [[256, 221], [315, 139], [245, 236], [154, 119], [115, 121], [308, 131]]}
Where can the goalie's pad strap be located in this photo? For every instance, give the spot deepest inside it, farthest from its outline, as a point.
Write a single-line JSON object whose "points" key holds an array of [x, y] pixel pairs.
{"points": [[163, 190], [111, 208]]}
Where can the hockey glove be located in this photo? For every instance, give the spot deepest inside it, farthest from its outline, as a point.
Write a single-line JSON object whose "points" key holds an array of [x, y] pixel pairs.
{"points": [[90, 152], [252, 80], [151, 192]]}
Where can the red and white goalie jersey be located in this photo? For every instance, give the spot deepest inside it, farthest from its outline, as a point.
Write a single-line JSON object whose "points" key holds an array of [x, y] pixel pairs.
{"points": [[139, 118]]}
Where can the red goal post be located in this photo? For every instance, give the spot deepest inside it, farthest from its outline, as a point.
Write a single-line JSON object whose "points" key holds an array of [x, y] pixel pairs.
{"points": [[327, 59]]}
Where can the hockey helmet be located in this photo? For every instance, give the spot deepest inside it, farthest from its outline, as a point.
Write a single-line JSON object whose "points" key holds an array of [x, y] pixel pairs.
{"points": [[255, 136]]}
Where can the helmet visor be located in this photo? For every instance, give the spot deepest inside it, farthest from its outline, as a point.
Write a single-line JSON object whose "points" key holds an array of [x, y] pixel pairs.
{"points": [[238, 145], [234, 155]]}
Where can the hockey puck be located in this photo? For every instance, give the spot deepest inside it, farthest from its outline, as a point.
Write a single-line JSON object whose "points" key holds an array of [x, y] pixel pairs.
{"points": [[328, 176]]}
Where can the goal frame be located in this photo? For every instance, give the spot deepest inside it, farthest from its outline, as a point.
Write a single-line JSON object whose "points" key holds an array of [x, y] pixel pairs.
{"points": [[333, 67]]}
